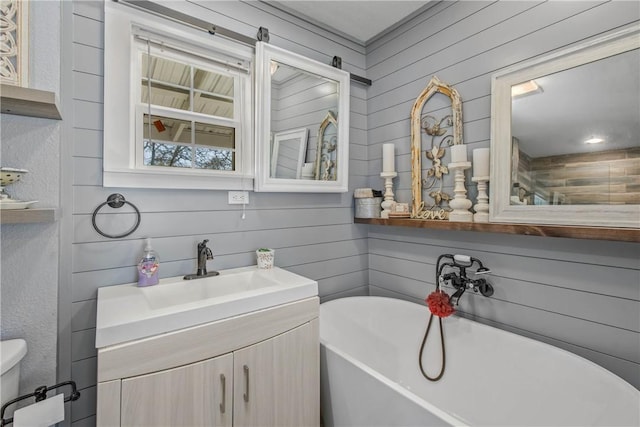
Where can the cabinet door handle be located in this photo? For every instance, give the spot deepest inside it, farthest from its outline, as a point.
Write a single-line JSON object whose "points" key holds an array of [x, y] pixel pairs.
{"points": [[246, 383], [223, 403]]}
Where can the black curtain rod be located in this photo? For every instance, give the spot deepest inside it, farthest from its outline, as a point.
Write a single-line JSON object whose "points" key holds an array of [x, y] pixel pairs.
{"points": [[183, 18]]}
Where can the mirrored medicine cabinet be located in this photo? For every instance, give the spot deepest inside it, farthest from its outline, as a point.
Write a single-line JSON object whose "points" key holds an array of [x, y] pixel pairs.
{"points": [[565, 144], [302, 124]]}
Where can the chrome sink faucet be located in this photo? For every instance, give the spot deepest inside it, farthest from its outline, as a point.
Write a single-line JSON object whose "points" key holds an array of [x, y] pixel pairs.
{"points": [[204, 254]]}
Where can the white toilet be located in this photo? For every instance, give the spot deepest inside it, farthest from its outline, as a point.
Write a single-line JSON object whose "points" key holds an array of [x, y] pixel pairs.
{"points": [[11, 354]]}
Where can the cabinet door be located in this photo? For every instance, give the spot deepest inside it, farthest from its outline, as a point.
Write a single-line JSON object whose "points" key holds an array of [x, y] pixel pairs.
{"points": [[193, 395], [277, 381]]}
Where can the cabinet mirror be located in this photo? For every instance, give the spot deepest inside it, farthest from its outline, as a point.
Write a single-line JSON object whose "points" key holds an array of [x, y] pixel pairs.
{"points": [[302, 123], [565, 144]]}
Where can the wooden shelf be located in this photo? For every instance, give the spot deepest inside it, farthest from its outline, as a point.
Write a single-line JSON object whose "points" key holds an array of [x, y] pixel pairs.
{"points": [[25, 101], [595, 233], [28, 216]]}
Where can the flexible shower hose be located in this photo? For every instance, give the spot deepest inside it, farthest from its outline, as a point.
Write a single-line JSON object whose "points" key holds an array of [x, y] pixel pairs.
{"points": [[424, 340], [439, 269]]}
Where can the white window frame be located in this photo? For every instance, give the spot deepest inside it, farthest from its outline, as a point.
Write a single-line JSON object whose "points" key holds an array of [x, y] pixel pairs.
{"points": [[123, 164]]}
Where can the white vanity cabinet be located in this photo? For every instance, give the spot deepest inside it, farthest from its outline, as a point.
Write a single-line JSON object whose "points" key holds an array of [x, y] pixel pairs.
{"points": [[276, 381], [192, 395], [257, 369]]}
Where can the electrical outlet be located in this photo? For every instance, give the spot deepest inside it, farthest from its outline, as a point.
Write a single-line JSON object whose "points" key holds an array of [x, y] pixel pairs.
{"points": [[238, 197]]}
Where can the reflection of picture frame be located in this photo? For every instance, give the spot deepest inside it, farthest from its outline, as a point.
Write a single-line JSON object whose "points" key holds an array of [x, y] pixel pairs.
{"points": [[289, 152], [326, 154], [14, 58]]}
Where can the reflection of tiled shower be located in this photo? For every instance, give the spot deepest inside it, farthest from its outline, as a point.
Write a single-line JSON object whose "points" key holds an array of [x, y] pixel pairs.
{"points": [[605, 177]]}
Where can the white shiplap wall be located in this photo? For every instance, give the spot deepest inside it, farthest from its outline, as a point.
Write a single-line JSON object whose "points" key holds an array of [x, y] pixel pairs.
{"points": [[580, 295], [313, 234]]}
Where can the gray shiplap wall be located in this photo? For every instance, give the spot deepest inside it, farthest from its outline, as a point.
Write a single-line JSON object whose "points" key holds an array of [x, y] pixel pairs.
{"points": [[303, 102], [580, 295], [313, 234]]}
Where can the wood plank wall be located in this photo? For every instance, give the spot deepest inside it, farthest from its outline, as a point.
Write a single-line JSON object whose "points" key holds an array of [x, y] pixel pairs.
{"points": [[606, 177], [313, 234], [583, 296]]}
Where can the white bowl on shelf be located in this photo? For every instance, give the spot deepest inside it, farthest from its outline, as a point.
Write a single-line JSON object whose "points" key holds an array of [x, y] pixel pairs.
{"points": [[11, 176]]}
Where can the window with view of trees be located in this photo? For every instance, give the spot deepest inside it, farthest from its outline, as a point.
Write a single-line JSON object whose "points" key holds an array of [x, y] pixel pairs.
{"points": [[177, 105], [193, 125]]}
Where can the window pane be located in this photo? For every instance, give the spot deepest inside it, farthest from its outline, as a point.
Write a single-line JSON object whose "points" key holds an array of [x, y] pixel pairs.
{"points": [[170, 82], [166, 129], [215, 136], [217, 159], [165, 149], [215, 147], [213, 93], [214, 83], [170, 155]]}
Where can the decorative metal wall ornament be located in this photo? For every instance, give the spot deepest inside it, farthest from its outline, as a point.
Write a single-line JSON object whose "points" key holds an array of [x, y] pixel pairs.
{"points": [[14, 42], [437, 131]]}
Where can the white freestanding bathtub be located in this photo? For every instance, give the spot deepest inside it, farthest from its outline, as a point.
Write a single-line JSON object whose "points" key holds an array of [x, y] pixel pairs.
{"points": [[370, 374]]}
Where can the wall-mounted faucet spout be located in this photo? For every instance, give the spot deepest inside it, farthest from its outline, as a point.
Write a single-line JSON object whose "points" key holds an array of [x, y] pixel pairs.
{"points": [[459, 279], [457, 294]]}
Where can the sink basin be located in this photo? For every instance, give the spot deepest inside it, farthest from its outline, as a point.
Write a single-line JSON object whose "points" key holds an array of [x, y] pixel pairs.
{"points": [[127, 312]]}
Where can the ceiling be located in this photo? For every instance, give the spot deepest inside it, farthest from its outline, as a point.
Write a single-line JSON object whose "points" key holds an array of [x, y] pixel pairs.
{"points": [[357, 20], [598, 99]]}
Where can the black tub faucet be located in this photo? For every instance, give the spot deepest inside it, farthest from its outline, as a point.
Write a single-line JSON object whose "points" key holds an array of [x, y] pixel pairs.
{"points": [[459, 280]]}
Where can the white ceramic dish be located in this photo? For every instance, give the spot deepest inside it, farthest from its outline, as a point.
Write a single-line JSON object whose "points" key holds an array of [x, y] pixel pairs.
{"points": [[16, 204]]}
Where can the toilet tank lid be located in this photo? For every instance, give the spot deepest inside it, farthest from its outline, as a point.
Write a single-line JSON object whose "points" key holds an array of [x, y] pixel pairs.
{"points": [[11, 352]]}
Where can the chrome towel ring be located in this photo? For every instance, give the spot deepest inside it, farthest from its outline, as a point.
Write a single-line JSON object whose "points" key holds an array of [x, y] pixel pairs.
{"points": [[116, 201]]}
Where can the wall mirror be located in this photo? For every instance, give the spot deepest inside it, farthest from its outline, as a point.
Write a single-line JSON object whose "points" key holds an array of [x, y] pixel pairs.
{"points": [[565, 143], [295, 93]]}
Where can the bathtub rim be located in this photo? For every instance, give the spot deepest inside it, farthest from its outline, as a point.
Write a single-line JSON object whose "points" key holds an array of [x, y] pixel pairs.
{"points": [[444, 416], [415, 398]]}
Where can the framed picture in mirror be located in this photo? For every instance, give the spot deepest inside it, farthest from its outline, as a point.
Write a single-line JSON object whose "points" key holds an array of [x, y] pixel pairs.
{"points": [[326, 149], [288, 153]]}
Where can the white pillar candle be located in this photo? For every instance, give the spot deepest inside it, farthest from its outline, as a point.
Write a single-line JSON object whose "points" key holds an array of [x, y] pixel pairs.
{"points": [[388, 158], [481, 162], [458, 153]]}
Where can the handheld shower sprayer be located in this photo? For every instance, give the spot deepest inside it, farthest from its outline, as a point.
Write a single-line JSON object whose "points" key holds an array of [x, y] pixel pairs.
{"points": [[466, 261]]}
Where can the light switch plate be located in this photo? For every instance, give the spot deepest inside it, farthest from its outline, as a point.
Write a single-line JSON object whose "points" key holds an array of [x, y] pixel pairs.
{"points": [[238, 197]]}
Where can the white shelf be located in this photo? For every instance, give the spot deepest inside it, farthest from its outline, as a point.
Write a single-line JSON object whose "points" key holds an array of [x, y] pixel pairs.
{"points": [[28, 216], [25, 101]]}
